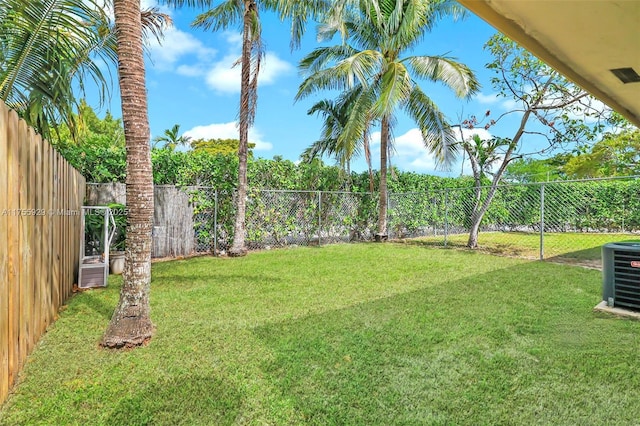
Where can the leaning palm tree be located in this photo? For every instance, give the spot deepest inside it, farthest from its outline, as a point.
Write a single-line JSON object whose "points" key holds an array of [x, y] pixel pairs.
{"points": [[376, 34], [335, 115], [131, 322], [246, 12], [47, 47]]}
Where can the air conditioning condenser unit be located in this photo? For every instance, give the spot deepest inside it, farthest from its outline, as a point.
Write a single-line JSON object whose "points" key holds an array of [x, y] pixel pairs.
{"points": [[621, 275]]}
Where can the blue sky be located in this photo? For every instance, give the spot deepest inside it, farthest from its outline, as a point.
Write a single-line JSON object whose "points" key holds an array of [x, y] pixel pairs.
{"points": [[191, 82]]}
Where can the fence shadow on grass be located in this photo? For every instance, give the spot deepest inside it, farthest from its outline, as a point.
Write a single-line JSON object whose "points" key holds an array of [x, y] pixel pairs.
{"points": [[94, 300], [590, 257], [488, 349], [509, 249]]}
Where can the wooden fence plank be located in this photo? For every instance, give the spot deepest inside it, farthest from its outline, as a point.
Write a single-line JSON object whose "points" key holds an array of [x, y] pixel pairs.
{"points": [[65, 232], [13, 245], [39, 240], [4, 256], [46, 237], [55, 282], [36, 185], [30, 216], [25, 247]]}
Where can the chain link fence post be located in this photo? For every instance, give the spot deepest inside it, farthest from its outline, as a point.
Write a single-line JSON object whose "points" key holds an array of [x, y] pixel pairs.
{"points": [[542, 222], [215, 222], [319, 217], [446, 215]]}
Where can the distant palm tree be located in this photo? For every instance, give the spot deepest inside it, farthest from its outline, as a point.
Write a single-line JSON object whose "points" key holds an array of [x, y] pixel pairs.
{"points": [[335, 115], [380, 32], [172, 138], [246, 12], [131, 322]]}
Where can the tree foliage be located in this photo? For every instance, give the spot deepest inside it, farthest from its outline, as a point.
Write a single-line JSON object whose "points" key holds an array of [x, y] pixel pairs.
{"points": [[47, 47], [614, 155], [171, 138], [549, 107], [220, 146], [374, 65]]}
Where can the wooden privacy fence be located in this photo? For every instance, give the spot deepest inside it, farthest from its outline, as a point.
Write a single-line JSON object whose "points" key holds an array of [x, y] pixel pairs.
{"points": [[40, 200], [173, 224]]}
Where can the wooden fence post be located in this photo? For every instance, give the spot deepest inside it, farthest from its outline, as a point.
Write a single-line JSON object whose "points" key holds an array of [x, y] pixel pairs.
{"points": [[4, 255]]}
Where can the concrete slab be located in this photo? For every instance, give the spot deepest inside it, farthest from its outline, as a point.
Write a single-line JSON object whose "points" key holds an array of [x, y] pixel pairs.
{"points": [[603, 307]]}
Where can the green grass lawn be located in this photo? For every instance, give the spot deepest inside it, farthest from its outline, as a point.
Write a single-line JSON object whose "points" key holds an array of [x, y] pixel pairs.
{"points": [[579, 248], [344, 335]]}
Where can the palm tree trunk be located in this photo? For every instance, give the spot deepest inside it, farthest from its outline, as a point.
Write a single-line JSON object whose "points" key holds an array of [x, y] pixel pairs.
{"points": [[238, 247], [367, 157], [131, 323], [384, 155]]}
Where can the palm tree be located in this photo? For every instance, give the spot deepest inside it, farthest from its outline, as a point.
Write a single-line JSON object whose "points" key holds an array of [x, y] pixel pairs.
{"points": [[47, 46], [222, 16], [131, 322], [380, 32], [171, 138], [336, 115], [50, 47]]}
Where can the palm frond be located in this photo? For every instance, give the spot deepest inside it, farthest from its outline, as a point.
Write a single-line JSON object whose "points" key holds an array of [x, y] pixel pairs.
{"points": [[358, 122], [346, 74], [154, 23], [455, 75], [300, 12], [395, 87], [47, 47], [324, 57], [223, 16], [437, 135]]}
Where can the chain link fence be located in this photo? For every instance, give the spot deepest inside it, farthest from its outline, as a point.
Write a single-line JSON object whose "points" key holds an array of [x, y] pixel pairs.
{"points": [[563, 219], [571, 218]]}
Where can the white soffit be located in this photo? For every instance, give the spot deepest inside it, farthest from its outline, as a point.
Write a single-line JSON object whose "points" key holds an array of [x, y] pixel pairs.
{"points": [[583, 39]]}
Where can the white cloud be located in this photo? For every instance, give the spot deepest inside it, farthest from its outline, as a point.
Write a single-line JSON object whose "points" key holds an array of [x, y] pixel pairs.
{"points": [[494, 99], [487, 99], [591, 106], [411, 154], [191, 70], [468, 133], [233, 39], [174, 46], [274, 67], [228, 131], [510, 104], [225, 77]]}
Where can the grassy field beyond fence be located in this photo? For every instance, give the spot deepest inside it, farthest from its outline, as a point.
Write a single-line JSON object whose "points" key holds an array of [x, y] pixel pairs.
{"points": [[360, 334]]}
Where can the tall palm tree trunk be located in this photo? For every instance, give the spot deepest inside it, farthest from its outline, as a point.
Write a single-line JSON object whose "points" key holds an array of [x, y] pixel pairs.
{"points": [[238, 247], [131, 323], [385, 134], [367, 157]]}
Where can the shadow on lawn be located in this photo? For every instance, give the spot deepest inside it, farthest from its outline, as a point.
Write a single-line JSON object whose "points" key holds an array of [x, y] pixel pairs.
{"points": [[451, 354], [172, 402], [95, 300], [499, 249], [590, 257]]}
